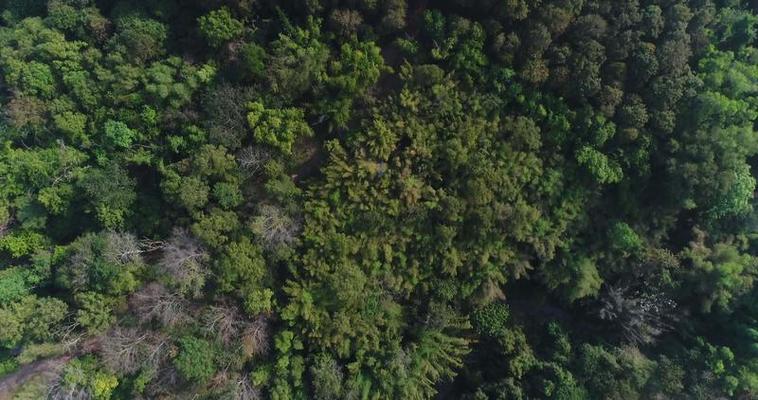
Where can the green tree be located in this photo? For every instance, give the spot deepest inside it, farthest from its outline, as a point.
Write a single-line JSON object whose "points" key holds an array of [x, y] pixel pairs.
{"points": [[219, 27], [278, 128], [196, 359]]}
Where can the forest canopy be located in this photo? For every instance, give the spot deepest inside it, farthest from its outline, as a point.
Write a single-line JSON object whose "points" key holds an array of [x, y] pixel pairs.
{"points": [[378, 199]]}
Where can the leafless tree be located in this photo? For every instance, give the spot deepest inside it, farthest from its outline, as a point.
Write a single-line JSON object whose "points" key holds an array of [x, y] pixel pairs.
{"points": [[274, 227], [122, 248], [243, 389], [155, 303], [641, 316], [124, 349], [166, 379], [182, 259], [69, 334], [223, 322], [225, 107], [256, 336], [252, 159]]}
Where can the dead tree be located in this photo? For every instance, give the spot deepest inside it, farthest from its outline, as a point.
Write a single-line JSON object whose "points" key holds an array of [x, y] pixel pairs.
{"points": [[641, 316], [274, 227], [251, 160], [124, 349], [223, 322], [155, 303], [182, 259], [256, 336], [122, 248]]}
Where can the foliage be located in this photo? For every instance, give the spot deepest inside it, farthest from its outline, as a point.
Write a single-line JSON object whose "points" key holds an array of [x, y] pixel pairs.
{"points": [[219, 27], [195, 360], [379, 199]]}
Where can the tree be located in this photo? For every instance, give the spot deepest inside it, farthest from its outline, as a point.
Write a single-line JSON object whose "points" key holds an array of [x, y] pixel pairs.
{"points": [[345, 21], [723, 273], [227, 115], [94, 312], [154, 302], [641, 316], [274, 227], [30, 319], [90, 265], [195, 361], [111, 193], [278, 128], [241, 267], [182, 259], [124, 350], [219, 27], [139, 39], [298, 61], [326, 378], [118, 134]]}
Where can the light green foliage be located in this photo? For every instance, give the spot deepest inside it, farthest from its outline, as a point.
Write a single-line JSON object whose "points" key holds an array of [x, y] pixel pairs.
{"points": [[254, 59], [624, 238], [83, 375], [94, 312], [37, 79], [196, 359], [219, 27], [621, 374], [172, 82], [357, 69], [227, 194], [327, 378], [738, 199], [577, 277], [603, 169], [298, 61], [118, 134], [278, 128], [470, 200], [31, 319], [259, 301], [241, 267], [723, 273], [13, 284], [46, 173], [73, 125], [214, 228], [21, 243], [491, 320], [35, 352]]}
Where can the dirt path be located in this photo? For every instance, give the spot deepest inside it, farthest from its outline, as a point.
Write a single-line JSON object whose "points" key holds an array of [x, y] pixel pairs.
{"points": [[11, 383], [46, 367]]}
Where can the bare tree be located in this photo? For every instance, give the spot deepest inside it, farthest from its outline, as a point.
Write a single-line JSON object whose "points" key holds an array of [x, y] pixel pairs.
{"points": [[251, 160], [124, 349], [122, 248], [225, 107], [243, 389], [274, 227], [155, 302], [256, 336], [223, 322], [166, 379], [182, 259], [641, 316]]}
